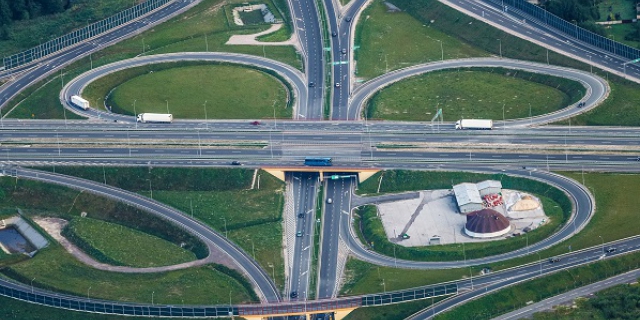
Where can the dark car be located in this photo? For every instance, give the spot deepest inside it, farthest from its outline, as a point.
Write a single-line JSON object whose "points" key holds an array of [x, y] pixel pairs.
{"points": [[344, 51], [301, 215], [311, 84], [293, 294], [348, 19], [255, 123], [334, 34], [235, 163], [610, 250], [299, 234]]}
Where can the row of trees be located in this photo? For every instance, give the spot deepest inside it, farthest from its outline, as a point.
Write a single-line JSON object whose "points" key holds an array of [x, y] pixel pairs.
{"points": [[15, 10]]}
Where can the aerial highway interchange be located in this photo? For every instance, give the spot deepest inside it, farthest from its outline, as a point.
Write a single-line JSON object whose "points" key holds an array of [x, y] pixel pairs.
{"points": [[351, 141]]}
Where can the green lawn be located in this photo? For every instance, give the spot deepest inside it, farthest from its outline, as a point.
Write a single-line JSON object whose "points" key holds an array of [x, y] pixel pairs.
{"points": [[473, 93], [625, 8], [14, 309], [388, 41], [126, 246], [203, 27], [55, 268], [231, 92]]}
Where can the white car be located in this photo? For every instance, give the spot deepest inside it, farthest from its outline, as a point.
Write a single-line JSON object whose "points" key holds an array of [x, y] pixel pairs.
{"points": [[329, 201]]}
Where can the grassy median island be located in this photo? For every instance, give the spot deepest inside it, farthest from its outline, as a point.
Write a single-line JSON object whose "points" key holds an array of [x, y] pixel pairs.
{"points": [[473, 93], [186, 89], [117, 245]]}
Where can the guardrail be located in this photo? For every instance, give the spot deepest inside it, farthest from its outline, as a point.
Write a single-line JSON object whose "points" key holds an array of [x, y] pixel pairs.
{"points": [[82, 34], [38, 296], [573, 30]]}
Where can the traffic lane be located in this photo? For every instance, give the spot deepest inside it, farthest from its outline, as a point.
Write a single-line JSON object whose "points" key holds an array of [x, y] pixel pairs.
{"points": [[305, 191], [329, 245], [65, 136]]}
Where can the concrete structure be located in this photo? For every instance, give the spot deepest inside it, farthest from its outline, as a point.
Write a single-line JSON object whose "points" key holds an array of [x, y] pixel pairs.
{"points": [[486, 223], [27, 231], [489, 187], [467, 197]]}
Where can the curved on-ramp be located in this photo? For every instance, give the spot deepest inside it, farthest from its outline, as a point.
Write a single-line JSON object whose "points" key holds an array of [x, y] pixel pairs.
{"points": [[597, 88], [264, 286], [583, 208], [288, 73]]}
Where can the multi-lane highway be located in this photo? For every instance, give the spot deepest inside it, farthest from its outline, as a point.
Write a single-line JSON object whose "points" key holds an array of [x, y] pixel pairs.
{"points": [[351, 144]]}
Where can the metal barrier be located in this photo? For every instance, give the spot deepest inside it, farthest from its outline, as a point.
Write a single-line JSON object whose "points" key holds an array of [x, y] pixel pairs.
{"points": [[573, 30], [82, 34]]}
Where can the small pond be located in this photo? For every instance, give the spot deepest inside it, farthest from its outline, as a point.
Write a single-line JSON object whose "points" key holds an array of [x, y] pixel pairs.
{"points": [[12, 240]]}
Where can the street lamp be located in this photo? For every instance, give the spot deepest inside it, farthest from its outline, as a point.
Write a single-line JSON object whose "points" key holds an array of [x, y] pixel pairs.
{"points": [[225, 227], [32, 284], [441, 49], [205, 110], [135, 114], [602, 244], [500, 47], [88, 292]]}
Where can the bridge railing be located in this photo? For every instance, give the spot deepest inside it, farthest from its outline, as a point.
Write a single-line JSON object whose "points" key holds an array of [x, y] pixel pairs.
{"points": [[87, 32], [572, 30]]}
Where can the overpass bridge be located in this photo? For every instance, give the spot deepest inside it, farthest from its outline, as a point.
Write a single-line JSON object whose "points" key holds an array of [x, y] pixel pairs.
{"points": [[362, 173]]}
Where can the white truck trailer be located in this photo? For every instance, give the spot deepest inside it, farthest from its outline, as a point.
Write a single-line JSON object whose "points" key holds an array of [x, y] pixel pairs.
{"points": [[155, 117], [80, 102], [477, 124]]}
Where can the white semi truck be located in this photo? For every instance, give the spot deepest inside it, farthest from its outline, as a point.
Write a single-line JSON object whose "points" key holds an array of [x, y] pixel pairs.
{"points": [[80, 102], [477, 124], [155, 117]]}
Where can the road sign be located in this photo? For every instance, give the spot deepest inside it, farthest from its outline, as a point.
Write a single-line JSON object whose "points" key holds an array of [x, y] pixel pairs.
{"points": [[335, 177]]}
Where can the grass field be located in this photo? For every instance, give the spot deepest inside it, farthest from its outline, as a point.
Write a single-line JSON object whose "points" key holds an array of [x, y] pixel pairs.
{"points": [[473, 93], [381, 42], [54, 268], [29, 33], [234, 92], [608, 8], [204, 27], [611, 222], [390, 311], [128, 247]]}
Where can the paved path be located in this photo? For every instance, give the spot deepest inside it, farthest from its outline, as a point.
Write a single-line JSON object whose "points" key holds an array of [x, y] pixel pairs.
{"points": [[250, 39], [360, 201]]}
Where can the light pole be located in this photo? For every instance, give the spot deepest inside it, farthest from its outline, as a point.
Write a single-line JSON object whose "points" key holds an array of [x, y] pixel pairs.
{"points": [[205, 110], [32, 284], [500, 47], [225, 227], [275, 124], [152, 293], [135, 114], [88, 292], [602, 244], [441, 50]]}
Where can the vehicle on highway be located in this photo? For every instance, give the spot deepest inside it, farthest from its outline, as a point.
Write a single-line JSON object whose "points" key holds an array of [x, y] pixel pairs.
{"points": [[348, 19], [312, 161], [344, 51], [79, 102], [255, 123], [477, 124], [311, 84], [337, 84], [334, 34], [293, 294], [329, 201], [236, 163], [611, 249], [581, 104], [155, 118], [554, 259], [299, 234], [301, 215]]}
